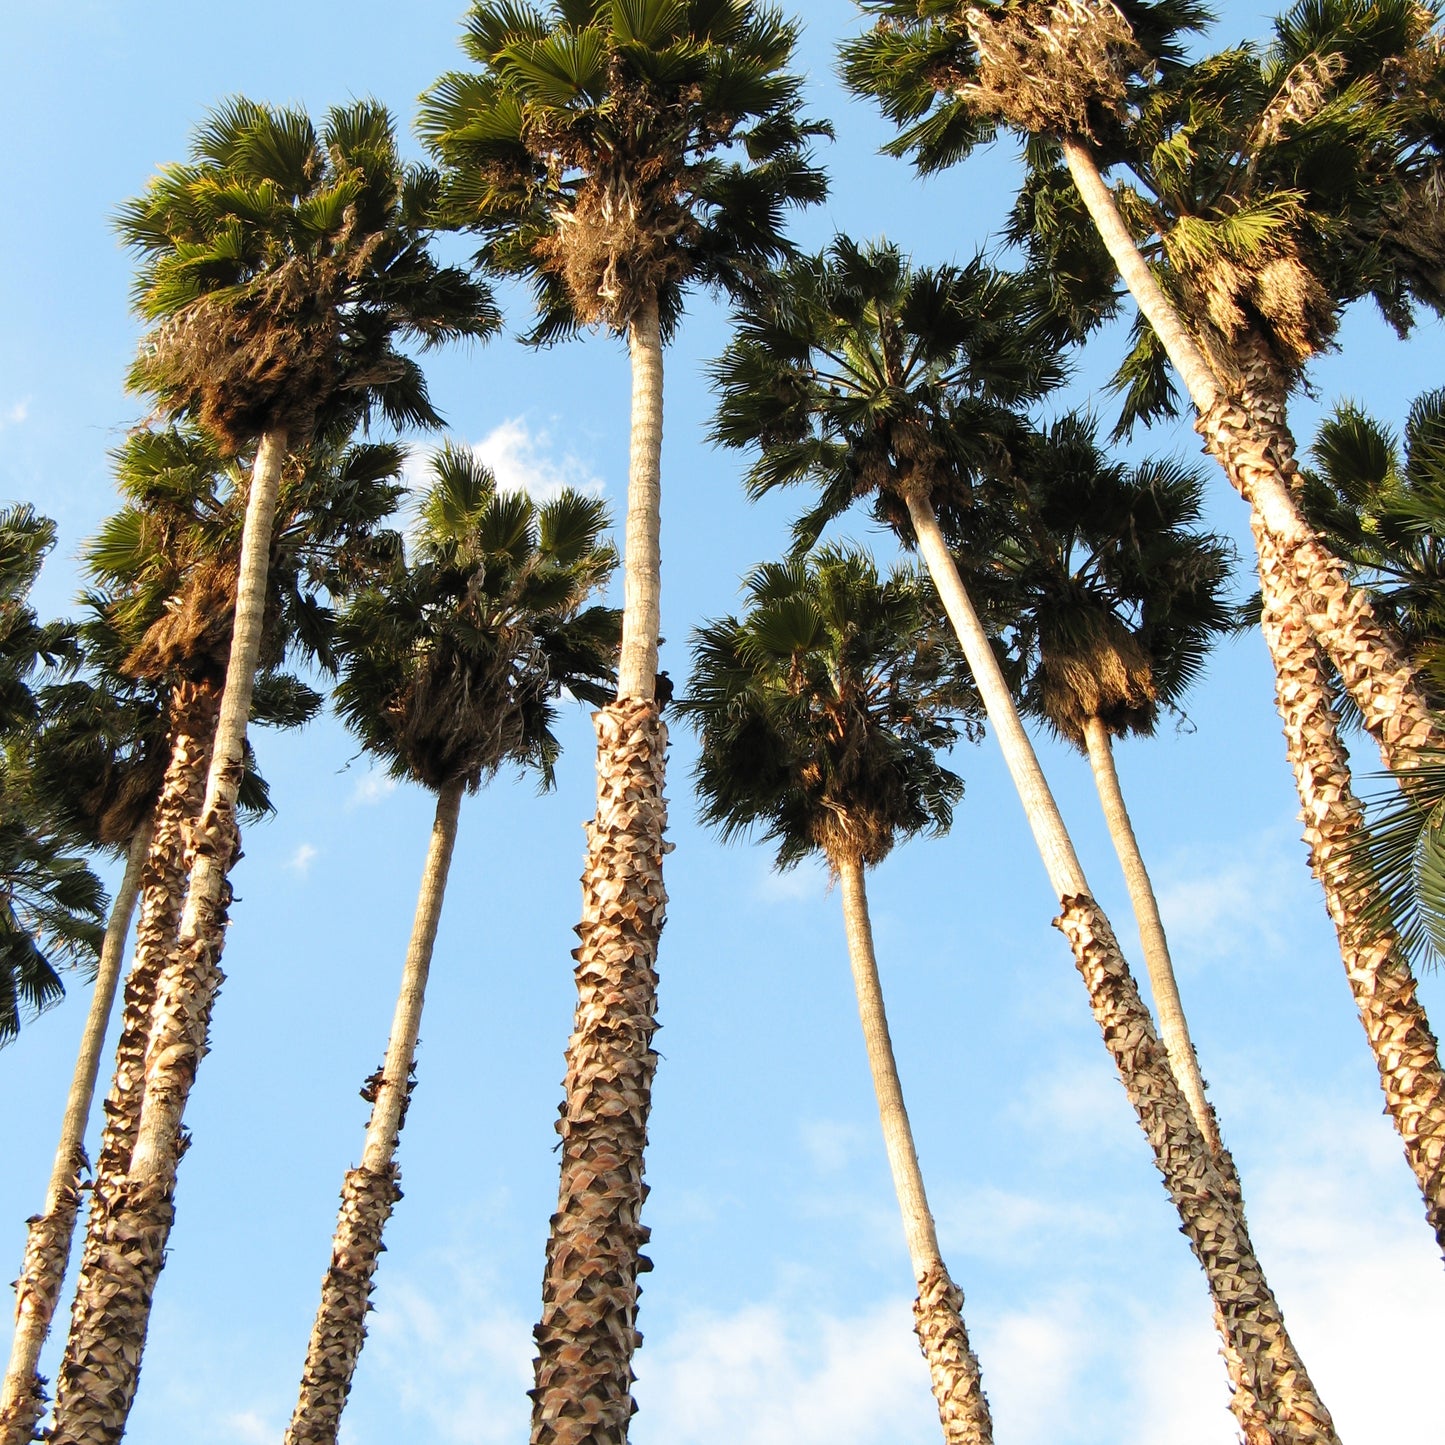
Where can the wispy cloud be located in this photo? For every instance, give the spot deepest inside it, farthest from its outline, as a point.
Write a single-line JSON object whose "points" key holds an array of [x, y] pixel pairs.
{"points": [[301, 860], [371, 787], [523, 458], [803, 884], [15, 414]]}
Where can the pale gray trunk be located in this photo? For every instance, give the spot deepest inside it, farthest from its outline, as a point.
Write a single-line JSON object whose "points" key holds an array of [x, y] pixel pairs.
{"points": [[370, 1190], [1257, 454], [642, 557], [938, 1310], [48, 1238], [108, 1328], [1168, 1007], [1273, 1397]]}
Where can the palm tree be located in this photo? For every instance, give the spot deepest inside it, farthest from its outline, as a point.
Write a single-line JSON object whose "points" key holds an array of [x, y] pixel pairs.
{"points": [[1116, 598], [50, 902], [279, 269], [616, 155], [449, 667], [820, 716], [866, 377], [1070, 74]]}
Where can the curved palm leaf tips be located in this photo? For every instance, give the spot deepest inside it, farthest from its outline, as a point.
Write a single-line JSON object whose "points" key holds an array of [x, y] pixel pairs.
{"points": [[820, 715], [1116, 598], [867, 378], [1071, 73], [615, 152], [51, 905], [449, 670], [279, 269]]}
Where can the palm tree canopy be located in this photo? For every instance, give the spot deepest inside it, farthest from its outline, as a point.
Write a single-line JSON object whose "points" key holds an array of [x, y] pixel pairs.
{"points": [[450, 668], [1115, 595], [866, 377], [1272, 185], [1382, 508], [617, 150], [167, 563], [25, 642], [822, 711], [281, 265]]}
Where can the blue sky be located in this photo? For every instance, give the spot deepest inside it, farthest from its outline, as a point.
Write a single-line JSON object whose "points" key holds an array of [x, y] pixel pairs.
{"points": [[778, 1310]]}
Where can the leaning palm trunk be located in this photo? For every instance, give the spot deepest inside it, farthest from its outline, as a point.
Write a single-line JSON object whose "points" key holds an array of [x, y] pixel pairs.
{"points": [[127, 1241], [1404, 1048], [48, 1238], [588, 1332], [1273, 1397], [1257, 453], [1173, 1026], [937, 1312], [369, 1191]]}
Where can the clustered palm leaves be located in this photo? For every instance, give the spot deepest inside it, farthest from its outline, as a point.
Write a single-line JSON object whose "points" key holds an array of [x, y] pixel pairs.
{"points": [[615, 155]]}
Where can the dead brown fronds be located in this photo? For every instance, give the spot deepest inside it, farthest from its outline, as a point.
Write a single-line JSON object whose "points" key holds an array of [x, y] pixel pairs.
{"points": [[1054, 68], [1109, 678], [855, 835], [1300, 97]]}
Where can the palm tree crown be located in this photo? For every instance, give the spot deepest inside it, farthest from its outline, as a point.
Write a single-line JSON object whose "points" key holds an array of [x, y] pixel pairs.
{"points": [[451, 667], [821, 712], [617, 152]]}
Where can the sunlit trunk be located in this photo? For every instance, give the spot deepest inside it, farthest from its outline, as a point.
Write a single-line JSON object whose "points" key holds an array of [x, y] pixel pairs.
{"points": [[1273, 1397], [369, 1191], [1257, 453], [108, 1328], [938, 1309], [588, 1330], [49, 1234]]}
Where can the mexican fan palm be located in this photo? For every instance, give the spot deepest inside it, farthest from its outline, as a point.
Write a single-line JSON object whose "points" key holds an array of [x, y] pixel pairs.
{"points": [[449, 669], [821, 714], [280, 268], [868, 378], [616, 152], [1075, 73], [1116, 598]]}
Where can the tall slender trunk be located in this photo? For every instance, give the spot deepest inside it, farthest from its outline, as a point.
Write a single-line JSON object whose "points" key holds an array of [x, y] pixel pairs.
{"points": [[108, 1327], [194, 708], [588, 1330], [48, 1237], [1404, 1048], [1169, 1008], [937, 1312], [369, 1191], [1273, 1397], [1257, 453]]}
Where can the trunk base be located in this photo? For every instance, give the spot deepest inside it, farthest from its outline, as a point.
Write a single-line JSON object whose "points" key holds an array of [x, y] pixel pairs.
{"points": [[957, 1388]]}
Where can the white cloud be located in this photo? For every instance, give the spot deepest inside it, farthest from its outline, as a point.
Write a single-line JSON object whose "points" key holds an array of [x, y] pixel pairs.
{"points": [[371, 787], [806, 883], [522, 458], [830, 1144], [16, 414], [301, 860]]}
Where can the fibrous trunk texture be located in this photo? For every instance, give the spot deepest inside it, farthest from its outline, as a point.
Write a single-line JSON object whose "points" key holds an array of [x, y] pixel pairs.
{"points": [[49, 1234], [1168, 1006], [1273, 1397], [371, 1189], [1254, 446], [108, 1328], [1405, 1050], [938, 1310], [588, 1332]]}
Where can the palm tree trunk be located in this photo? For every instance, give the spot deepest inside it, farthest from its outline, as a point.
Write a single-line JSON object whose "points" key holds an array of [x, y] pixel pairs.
{"points": [[1173, 1026], [1257, 453], [48, 1238], [1273, 1397], [369, 1191], [937, 1312], [588, 1331], [1405, 1051], [108, 1327]]}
